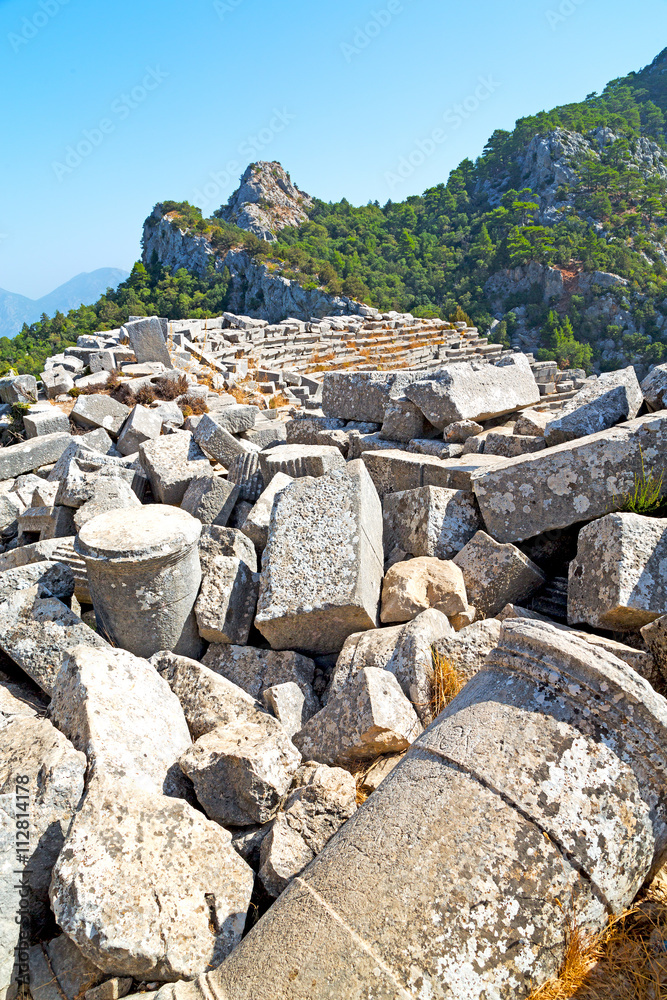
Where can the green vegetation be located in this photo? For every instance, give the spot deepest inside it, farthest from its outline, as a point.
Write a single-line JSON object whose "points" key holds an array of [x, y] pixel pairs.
{"points": [[647, 496]]}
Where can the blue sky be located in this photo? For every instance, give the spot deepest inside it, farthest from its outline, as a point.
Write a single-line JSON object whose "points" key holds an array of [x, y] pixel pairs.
{"points": [[109, 107]]}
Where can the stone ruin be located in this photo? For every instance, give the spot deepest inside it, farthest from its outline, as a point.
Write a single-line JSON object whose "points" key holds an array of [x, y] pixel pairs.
{"points": [[234, 561]]}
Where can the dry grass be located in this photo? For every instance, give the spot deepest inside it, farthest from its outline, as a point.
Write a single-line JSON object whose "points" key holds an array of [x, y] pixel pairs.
{"points": [[447, 682], [626, 961]]}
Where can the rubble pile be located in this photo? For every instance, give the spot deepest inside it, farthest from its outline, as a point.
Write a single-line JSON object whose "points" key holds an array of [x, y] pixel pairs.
{"points": [[230, 600]]}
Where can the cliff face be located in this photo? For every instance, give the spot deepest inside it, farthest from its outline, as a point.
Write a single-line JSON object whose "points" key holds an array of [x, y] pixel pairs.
{"points": [[266, 201], [254, 289]]}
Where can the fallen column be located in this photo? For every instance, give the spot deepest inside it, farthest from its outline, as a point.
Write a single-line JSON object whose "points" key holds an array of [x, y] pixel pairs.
{"points": [[537, 797]]}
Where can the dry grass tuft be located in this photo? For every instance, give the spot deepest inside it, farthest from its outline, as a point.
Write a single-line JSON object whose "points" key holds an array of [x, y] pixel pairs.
{"points": [[626, 961], [447, 682]]}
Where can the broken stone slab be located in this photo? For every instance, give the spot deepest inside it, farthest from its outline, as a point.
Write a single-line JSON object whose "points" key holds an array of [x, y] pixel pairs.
{"points": [[459, 431], [57, 382], [148, 887], [171, 462], [404, 650], [226, 604], [515, 819], [144, 575], [438, 449], [113, 494], [359, 443], [654, 388], [208, 699], [32, 454], [532, 422], [37, 633], [81, 457], [415, 585], [218, 443], [11, 507], [291, 706], [466, 651], [245, 472], [117, 709], [141, 425], [474, 391], [572, 482], [611, 399], [20, 699], [254, 670], [362, 395], [210, 499], [305, 429], [58, 971], [266, 433], [52, 578], [236, 419], [430, 521], [242, 772], [18, 389], [496, 574], [655, 636], [53, 421], [512, 445], [367, 717], [256, 524], [299, 461], [334, 523], [617, 580], [403, 421], [112, 989], [323, 801], [78, 487], [147, 340], [40, 523], [100, 411]]}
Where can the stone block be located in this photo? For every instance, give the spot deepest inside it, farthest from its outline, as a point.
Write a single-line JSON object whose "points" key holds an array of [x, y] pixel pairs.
{"points": [[58, 970], [256, 524], [141, 425], [300, 460], [496, 574], [100, 411], [57, 382], [459, 431], [415, 585], [254, 670], [362, 395], [51, 421], [291, 707], [532, 422], [323, 563], [512, 445], [611, 399], [18, 389], [572, 482], [654, 388], [245, 472], [171, 463], [147, 340], [37, 524], [403, 421], [430, 521], [219, 443], [210, 499], [466, 651], [228, 597], [32, 454], [305, 429]]}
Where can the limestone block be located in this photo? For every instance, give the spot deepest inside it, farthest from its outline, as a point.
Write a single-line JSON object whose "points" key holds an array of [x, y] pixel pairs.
{"points": [[245, 472], [219, 443], [415, 585], [532, 422], [51, 421], [147, 887], [18, 389], [256, 524], [112, 989], [466, 651], [430, 521], [243, 771], [100, 411], [609, 400], [459, 431], [52, 578], [141, 425], [210, 499], [112, 493], [617, 580], [147, 340], [10, 508], [403, 421], [32, 454], [362, 395], [305, 429], [121, 713], [512, 445], [367, 717], [572, 482], [226, 604], [323, 563], [300, 460], [654, 388], [170, 463], [655, 636], [59, 970], [496, 575], [236, 419], [438, 449], [57, 382], [474, 391], [290, 705], [254, 670]]}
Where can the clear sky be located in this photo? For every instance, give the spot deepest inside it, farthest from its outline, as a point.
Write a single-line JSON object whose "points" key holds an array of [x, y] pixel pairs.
{"points": [[110, 107]]}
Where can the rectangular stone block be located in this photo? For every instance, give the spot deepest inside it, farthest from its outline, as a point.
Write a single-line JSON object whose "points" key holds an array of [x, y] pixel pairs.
{"points": [[32, 454], [171, 462], [430, 521], [218, 442], [611, 398], [575, 481], [147, 340], [51, 421], [362, 395]]}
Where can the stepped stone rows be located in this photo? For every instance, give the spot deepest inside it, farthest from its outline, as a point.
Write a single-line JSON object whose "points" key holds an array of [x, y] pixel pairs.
{"points": [[245, 570]]}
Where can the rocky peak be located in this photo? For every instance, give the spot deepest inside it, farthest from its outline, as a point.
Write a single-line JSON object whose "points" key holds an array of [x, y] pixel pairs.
{"points": [[266, 201]]}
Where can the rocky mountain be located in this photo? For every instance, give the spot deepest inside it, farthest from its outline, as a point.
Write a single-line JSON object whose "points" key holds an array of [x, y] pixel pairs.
{"points": [[266, 202], [15, 310]]}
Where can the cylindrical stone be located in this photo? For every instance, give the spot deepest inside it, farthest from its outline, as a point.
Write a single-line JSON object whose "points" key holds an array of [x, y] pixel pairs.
{"points": [[144, 576], [535, 799]]}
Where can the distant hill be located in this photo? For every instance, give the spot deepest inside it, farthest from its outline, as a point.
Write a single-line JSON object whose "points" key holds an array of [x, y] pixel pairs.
{"points": [[15, 310]]}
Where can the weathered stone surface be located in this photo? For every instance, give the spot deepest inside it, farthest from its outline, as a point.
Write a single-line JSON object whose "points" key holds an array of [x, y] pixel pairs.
{"points": [[362, 395], [512, 445], [496, 575], [618, 579], [210, 499], [141, 425], [218, 442], [254, 670], [207, 699], [378, 771], [305, 429], [51, 421], [404, 650], [654, 388], [18, 389], [242, 771], [612, 398], [300, 460], [147, 887], [57, 382], [256, 524], [228, 597], [144, 575], [459, 431], [58, 970], [403, 421], [367, 717], [32, 454], [100, 411], [117, 709], [236, 418], [415, 585], [147, 340], [324, 799], [54, 579], [572, 482], [532, 422], [655, 636], [474, 391], [112, 493], [322, 567], [245, 472], [291, 706], [112, 989], [171, 462], [37, 633], [466, 651], [430, 521]]}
